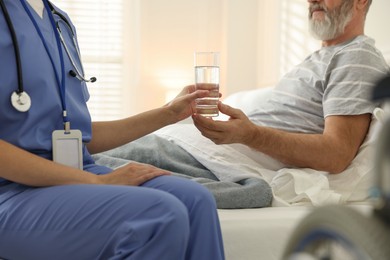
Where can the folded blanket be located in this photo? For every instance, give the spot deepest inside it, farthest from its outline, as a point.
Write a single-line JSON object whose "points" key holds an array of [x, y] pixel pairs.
{"points": [[245, 192]]}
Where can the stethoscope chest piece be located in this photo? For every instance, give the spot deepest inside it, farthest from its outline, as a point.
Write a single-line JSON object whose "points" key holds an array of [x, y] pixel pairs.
{"points": [[21, 101]]}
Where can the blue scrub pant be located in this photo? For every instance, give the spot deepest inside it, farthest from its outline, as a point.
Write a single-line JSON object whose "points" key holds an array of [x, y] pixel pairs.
{"points": [[166, 218]]}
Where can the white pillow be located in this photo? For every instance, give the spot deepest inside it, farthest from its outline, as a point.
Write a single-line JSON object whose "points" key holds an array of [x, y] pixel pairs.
{"points": [[249, 99], [355, 182]]}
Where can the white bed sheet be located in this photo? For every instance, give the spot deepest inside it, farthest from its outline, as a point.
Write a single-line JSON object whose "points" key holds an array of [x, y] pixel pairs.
{"points": [[262, 234], [290, 186]]}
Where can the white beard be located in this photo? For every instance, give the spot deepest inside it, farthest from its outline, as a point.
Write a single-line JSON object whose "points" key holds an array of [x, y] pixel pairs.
{"points": [[332, 26]]}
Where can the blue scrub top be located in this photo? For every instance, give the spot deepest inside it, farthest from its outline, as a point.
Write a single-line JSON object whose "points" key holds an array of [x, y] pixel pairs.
{"points": [[32, 130]]}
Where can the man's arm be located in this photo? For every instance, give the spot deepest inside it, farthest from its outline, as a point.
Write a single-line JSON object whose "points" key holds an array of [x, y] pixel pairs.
{"points": [[331, 151]]}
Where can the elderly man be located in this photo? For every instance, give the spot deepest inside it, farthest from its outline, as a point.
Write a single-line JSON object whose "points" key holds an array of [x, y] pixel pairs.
{"points": [[318, 114]]}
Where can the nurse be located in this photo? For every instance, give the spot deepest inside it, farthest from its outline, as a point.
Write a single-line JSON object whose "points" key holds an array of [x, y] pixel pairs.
{"points": [[55, 202]]}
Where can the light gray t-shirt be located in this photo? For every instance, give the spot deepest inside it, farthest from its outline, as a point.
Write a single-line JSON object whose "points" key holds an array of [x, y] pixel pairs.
{"points": [[335, 80]]}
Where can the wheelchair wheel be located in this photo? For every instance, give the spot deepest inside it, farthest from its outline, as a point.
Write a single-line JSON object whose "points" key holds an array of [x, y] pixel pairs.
{"points": [[339, 233]]}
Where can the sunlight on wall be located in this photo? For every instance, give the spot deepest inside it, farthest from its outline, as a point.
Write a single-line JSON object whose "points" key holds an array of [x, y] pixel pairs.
{"points": [[174, 80], [169, 33]]}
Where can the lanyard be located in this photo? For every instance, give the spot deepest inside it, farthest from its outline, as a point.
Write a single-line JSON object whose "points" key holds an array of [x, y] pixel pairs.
{"points": [[61, 83]]}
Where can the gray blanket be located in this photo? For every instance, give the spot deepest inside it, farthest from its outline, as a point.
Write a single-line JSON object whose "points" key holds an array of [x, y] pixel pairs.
{"points": [[154, 150]]}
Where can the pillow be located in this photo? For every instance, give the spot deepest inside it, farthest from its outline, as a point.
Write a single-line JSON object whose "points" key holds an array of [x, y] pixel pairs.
{"points": [[356, 181], [303, 186], [247, 100], [353, 184]]}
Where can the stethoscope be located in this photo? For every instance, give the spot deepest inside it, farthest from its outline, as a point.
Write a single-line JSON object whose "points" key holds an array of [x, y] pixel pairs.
{"points": [[20, 100], [74, 73]]}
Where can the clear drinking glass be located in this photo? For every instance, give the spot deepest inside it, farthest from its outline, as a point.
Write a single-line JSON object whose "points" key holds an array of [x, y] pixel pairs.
{"points": [[207, 78]]}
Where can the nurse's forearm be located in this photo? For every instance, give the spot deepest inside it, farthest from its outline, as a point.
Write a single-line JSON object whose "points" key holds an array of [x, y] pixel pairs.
{"points": [[23, 167], [108, 135]]}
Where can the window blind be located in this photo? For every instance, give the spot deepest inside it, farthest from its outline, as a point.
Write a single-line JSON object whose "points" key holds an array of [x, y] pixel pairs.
{"points": [[295, 40], [99, 25]]}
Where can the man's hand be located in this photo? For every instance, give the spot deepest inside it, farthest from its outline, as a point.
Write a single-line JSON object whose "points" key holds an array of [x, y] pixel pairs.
{"points": [[238, 129]]}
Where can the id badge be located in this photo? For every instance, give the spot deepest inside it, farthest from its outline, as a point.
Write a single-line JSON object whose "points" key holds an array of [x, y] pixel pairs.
{"points": [[67, 148]]}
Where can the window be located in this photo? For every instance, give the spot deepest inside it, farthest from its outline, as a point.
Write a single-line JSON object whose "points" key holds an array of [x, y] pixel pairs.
{"points": [[99, 25], [295, 40]]}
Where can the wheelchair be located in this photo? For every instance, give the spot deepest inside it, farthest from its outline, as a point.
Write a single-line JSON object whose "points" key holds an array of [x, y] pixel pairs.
{"points": [[336, 232]]}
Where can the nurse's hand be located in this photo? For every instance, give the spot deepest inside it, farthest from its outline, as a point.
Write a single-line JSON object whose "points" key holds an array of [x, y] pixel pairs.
{"points": [[183, 105], [132, 174]]}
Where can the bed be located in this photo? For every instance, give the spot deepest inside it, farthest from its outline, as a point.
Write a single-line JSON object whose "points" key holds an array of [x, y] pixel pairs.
{"points": [[263, 233]]}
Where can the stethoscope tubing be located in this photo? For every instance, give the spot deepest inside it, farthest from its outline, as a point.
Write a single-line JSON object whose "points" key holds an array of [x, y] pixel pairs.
{"points": [[15, 42], [77, 73], [20, 95]]}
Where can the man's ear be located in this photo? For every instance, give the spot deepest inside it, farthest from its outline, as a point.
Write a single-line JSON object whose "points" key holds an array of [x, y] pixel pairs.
{"points": [[361, 4]]}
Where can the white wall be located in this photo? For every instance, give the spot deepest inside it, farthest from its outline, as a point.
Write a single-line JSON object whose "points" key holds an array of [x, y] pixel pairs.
{"points": [[250, 34], [162, 36], [377, 25]]}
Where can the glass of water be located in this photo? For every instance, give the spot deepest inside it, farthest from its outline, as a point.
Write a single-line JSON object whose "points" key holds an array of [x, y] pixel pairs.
{"points": [[207, 78]]}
